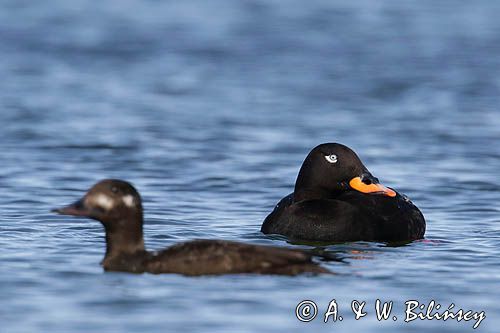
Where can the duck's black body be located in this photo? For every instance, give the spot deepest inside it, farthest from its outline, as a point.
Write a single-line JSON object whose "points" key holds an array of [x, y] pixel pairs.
{"points": [[352, 216], [117, 205], [327, 208]]}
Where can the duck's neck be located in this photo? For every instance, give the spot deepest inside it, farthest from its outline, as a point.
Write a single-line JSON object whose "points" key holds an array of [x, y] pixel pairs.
{"points": [[312, 189], [311, 194], [124, 237]]}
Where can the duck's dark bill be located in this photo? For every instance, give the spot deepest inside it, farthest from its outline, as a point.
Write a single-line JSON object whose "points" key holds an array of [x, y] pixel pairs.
{"points": [[75, 209], [357, 184]]}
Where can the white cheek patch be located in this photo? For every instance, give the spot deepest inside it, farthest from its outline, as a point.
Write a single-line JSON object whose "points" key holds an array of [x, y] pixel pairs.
{"points": [[129, 201], [104, 201]]}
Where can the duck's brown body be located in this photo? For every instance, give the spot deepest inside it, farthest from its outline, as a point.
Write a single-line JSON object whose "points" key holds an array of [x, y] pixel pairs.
{"points": [[214, 257]]}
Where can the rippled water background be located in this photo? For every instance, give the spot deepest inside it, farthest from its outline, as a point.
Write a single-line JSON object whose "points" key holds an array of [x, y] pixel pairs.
{"points": [[209, 109]]}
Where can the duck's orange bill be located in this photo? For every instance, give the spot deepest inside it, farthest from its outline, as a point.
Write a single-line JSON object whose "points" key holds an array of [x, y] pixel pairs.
{"points": [[358, 185]]}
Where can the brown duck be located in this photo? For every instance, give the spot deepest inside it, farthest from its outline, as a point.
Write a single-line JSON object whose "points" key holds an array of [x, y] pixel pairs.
{"points": [[118, 206]]}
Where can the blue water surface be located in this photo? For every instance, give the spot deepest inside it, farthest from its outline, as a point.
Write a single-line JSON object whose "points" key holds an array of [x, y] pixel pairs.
{"points": [[209, 108]]}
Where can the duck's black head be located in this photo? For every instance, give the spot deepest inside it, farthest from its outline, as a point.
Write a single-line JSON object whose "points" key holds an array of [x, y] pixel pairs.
{"points": [[118, 206], [332, 168]]}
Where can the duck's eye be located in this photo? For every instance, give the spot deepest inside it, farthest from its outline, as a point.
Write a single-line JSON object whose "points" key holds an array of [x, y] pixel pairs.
{"points": [[331, 158]]}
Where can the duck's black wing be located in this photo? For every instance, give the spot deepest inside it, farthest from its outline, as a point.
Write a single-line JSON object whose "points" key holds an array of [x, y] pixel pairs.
{"points": [[268, 226], [320, 220], [212, 257]]}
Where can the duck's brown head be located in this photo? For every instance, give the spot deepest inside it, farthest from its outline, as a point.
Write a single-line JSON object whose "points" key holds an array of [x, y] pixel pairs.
{"points": [[109, 201]]}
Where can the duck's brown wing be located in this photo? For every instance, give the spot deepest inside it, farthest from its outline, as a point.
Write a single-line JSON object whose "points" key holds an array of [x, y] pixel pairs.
{"points": [[211, 257]]}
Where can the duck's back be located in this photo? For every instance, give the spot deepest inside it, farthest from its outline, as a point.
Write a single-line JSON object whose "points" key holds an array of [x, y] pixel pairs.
{"points": [[351, 216], [211, 257]]}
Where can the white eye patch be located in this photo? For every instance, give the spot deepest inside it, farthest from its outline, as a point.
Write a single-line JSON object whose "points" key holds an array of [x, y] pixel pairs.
{"points": [[129, 201], [331, 158], [104, 201]]}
